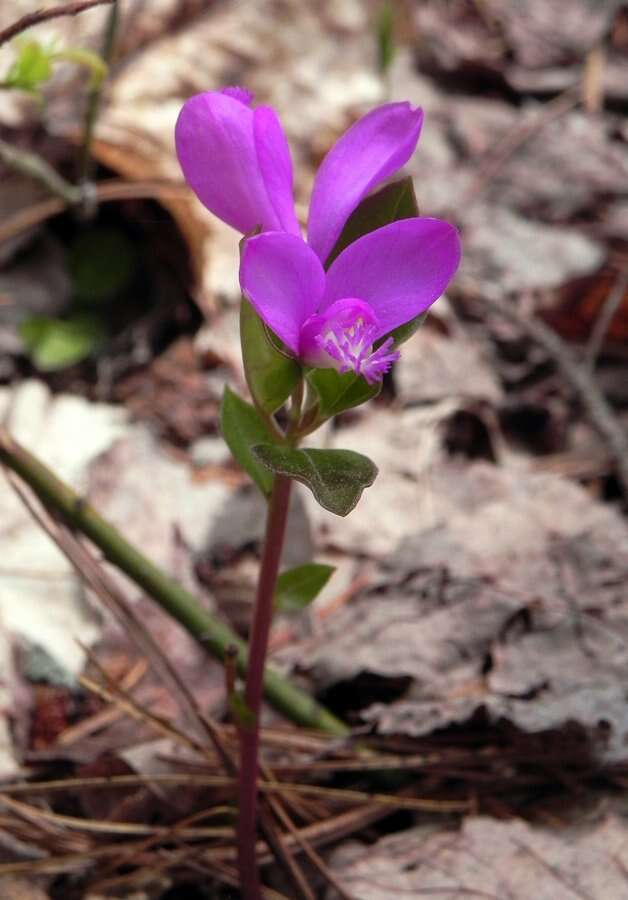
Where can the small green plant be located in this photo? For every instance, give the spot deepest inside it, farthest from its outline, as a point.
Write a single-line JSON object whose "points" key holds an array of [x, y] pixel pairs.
{"points": [[102, 263], [54, 344], [34, 66]]}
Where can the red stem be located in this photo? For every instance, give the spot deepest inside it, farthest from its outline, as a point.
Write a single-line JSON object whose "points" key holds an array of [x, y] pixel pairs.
{"points": [[249, 732]]}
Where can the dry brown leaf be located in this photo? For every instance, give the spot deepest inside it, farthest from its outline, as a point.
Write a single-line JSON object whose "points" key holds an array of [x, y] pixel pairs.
{"points": [[490, 860], [505, 248], [436, 367], [40, 596], [499, 587]]}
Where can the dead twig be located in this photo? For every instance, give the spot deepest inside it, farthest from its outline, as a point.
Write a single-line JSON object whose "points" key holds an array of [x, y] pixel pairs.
{"points": [[106, 191], [598, 409], [44, 15], [281, 851], [37, 814], [334, 795], [305, 846], [605, 318], [504, 149], [34, 166], [103, 717]]}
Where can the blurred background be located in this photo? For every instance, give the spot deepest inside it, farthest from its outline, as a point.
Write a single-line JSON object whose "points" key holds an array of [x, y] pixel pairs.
{"points": [[480, 595]]}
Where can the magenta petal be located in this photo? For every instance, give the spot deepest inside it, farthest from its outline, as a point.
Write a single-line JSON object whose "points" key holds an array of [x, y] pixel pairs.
{"points": [[370, 151], [273, 156], [400, 269], [216, 146], [284, 281]]}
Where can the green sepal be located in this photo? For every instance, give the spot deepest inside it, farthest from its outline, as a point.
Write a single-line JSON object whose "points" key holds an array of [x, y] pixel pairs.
{"points": [[392, 203], [296, 588], [335, 477], [270, 374], [404, 332], [242, 427], [337, 393]]}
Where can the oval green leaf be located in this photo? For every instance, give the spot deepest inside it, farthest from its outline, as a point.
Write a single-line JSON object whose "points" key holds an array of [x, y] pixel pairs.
{"points": [[31, 68], [55, 344], [296, 588], [335, 477], [241, 428], [270, 374]]}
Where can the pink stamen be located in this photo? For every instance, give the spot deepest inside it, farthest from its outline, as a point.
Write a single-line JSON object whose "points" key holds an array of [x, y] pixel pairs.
{"points": [[342, 338]]}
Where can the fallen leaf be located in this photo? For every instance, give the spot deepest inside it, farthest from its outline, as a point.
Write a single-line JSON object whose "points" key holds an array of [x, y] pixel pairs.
{"points": [[477, 547], [491, 860]]}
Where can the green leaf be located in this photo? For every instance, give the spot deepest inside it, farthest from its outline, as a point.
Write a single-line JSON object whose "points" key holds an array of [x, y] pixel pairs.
{"points": [[297, 587], [270, 374], [102, 262], [33, 65], [337, 393], [31, 68], [393, 202], [58, 343], [242, 427], [385, 31], [335, 477]]}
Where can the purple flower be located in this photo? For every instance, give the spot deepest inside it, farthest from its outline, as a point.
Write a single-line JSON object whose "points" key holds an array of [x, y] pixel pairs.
{"points": [[237, 161], [332, 319]]}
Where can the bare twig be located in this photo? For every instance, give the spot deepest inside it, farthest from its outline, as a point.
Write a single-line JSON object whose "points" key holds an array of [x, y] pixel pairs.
{"points": [[36, 813], [34, 166], [593, 80], [577, 374], [44, 15], [283, 854], [348, 796], [307, 849], [110, 190], [605, 317]]}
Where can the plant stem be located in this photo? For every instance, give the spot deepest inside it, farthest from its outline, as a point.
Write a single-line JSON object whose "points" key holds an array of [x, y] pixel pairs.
{"points": [[211, 633], [94, 98], [258, 646]]}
